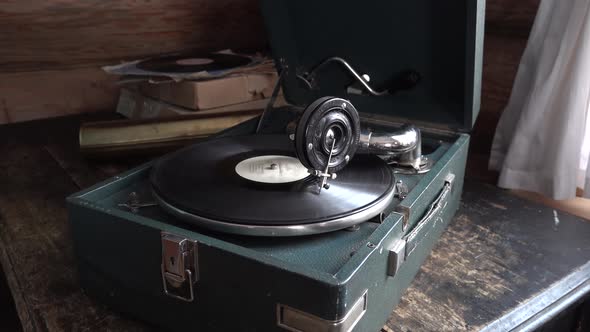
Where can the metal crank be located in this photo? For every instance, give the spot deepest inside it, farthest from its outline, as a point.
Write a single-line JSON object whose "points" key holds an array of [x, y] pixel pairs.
{"points": [[133, 204]]}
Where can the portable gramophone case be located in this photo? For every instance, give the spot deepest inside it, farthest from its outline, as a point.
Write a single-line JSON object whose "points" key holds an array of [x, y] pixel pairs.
{"points": [[215, 237]]}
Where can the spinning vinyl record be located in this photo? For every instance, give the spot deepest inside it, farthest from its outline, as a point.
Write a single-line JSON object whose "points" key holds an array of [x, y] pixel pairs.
{"points": [[254, 185], [193, 64]]}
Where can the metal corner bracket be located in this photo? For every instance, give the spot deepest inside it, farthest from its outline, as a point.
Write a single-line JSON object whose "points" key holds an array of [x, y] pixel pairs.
{"points": [[298, 321]]}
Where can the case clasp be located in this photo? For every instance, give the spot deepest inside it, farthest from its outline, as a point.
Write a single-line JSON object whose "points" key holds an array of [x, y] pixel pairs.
{"points": [[179, 266]]}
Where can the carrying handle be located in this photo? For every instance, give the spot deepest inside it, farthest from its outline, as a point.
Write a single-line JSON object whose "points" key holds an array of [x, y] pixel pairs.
{"points": [[430, 218], [403, 248]]}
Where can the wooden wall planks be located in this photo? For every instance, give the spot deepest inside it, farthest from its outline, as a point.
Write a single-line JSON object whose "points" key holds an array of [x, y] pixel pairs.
{"points": [[31, 95], [51, 51], [501, 59], [62, 34], [511, 17], [508, 24]]}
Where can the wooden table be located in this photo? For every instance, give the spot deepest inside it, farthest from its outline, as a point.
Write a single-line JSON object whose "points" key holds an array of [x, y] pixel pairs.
{"points": [[503, 262]]}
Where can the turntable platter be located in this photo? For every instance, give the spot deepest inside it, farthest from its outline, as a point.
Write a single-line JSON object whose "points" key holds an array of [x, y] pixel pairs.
{"points": [[254, 185]]}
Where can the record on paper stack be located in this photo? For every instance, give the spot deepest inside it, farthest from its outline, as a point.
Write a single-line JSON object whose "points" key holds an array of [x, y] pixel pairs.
{"points": [[191, 66]]}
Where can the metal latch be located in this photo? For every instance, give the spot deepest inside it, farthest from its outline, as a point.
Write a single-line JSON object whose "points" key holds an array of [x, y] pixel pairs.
{"points": [[402, 248], [179, 266]]}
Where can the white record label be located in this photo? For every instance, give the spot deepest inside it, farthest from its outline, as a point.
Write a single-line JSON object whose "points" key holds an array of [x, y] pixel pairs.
{"points": [[194, 61], [272, 169]]}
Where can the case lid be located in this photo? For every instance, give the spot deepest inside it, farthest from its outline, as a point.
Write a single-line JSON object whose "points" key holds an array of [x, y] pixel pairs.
{"points": [[394, 42]]}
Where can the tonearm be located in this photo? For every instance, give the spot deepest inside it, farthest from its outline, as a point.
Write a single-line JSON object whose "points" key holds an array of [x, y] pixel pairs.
{"points": [[329, 134]]}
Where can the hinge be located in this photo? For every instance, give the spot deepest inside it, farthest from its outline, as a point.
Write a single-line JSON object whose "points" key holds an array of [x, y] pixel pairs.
{"points": [[179, 266]]}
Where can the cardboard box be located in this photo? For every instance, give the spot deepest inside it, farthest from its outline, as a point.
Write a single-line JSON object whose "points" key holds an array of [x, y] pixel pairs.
{"points": [[201, 95], [134, 105]]}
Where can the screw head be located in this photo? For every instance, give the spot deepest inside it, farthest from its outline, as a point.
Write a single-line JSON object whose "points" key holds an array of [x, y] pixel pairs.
{"points": [[310, 146], [367, 78], [353, 228], [292, 137], [133, 198], [347, 158], [343, 105]]}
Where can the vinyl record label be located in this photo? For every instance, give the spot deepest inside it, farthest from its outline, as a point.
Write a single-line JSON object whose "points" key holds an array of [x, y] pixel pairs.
{"points": [[272, 169], [194, 64]]}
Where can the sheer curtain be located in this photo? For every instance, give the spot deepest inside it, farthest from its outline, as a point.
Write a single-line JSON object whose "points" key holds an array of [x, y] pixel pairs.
{"points": [[584, 169], [539, 142]]}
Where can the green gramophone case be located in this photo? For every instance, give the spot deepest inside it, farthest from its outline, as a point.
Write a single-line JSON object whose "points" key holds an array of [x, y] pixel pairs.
{"points": [[149, 264]]}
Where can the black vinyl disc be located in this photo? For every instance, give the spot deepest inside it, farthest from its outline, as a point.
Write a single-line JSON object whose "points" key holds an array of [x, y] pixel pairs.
{"points": [[200, 183], [193, 63]]}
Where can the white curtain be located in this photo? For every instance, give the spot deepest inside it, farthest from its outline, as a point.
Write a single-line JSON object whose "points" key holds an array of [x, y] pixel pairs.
{"points": [[539, 139]]}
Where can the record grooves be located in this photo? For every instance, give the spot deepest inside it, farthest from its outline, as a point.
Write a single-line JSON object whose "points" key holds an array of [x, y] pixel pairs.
{"points": [[200, 185], [193, 64]]}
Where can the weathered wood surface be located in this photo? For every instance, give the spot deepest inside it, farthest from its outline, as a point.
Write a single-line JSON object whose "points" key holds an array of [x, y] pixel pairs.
{"points": [[35, 248], [498, 253]]}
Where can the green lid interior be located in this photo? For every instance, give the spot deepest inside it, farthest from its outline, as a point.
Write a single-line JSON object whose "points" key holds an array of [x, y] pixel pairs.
{"points": [[440, 40]]}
